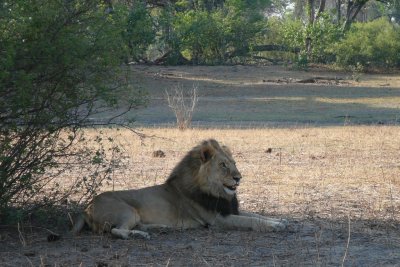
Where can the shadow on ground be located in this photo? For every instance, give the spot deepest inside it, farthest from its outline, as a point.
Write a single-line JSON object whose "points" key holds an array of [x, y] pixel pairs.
{"points": [[239, 96], [312, 242]]}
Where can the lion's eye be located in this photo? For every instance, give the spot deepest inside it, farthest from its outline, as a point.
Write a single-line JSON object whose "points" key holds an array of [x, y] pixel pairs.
{"points": [[223, 165]]}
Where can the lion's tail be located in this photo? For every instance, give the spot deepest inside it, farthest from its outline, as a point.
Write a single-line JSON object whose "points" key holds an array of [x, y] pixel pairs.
{"points": [[78, 224]]}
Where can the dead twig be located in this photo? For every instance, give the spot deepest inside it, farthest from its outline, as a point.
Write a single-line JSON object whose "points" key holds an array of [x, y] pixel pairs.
{"points": [[21, 236], [348, 242]]}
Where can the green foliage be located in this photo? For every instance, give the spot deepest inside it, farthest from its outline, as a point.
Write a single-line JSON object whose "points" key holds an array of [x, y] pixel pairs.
{"points": [[245, 23], [375, 43], [140, 32], [292, 33], [206, 36], [201, 36], [205, 32], [59, 67], [322, 34]]}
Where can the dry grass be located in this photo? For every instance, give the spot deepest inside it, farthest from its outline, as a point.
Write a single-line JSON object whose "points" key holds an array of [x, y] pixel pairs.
{"points": [[338, 186], [321, 172], [372, 102]]}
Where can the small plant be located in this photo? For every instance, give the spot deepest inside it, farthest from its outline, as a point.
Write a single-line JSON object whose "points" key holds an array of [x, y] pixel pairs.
{"points": [[301, 63], [182, 104], [356, 71]]}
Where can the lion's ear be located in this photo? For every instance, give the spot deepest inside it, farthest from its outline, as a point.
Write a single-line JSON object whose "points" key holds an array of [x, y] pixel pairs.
{"points": [[206, 152], [227, 150]]}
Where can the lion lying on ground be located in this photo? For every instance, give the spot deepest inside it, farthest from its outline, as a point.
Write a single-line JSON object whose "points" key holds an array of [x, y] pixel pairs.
{"points": [[200, 192]]}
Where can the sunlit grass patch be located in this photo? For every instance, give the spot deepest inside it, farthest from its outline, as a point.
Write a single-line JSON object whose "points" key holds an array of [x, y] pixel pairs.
{"points": [[374, 102], [301, 172]]}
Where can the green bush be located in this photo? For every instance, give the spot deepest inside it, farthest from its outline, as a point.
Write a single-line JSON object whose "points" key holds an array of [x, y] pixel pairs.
{"points": [[207, 36], [140, 32], [59, 67], [205, 32], [323, 33], [201, 36], [292, 33], [375, 43]]}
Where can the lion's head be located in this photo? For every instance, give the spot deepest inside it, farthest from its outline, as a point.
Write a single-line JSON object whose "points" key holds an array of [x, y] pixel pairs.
{"points": [[207, 169]]}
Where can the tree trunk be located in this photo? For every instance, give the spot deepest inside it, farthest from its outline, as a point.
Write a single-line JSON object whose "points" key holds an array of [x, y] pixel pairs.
{"points": [[298, 9], [310, 11], [353, 8], [321, 9], [311, 17]]}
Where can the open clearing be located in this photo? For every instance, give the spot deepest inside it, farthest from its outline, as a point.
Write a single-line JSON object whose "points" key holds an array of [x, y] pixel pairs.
{"points": [[339, 186], [271, 95]]}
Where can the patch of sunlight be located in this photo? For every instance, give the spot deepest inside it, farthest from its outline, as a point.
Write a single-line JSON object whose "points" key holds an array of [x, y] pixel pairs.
{"points": [[288, 98], [381, 102], [241, 81]]}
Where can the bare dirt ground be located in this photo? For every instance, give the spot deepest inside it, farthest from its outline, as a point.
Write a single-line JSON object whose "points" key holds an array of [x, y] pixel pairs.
{"points": [[338, 186], [271, 95]]}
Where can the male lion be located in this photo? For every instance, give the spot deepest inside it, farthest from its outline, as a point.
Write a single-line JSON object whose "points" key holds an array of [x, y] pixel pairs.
{"points": [[200, 192]]}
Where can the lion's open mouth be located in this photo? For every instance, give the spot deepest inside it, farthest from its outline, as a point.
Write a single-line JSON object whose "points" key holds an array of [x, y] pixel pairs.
{"points": [[233, 187], [230, 189]]}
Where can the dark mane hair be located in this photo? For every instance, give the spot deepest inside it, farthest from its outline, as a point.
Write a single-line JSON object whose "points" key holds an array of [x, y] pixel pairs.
{"points": [[220, 205], [189, 165], [191, 162]]}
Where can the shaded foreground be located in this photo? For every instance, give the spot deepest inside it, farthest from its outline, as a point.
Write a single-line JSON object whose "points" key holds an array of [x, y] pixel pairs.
{"points": [[338, 186], [313, 243]]}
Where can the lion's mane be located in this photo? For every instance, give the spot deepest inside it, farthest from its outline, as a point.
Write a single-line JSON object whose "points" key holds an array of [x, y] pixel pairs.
{"points": [[186, 179]]}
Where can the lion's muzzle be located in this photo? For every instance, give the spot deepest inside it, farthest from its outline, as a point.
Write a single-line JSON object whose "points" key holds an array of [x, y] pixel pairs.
{"points": [[231, 189]]}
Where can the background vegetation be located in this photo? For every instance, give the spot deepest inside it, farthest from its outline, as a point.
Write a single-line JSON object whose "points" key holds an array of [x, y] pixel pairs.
{"points": [[345, 33]]}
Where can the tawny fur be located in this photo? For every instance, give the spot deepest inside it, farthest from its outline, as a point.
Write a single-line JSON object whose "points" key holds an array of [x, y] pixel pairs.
{"points": [[200, 192]]}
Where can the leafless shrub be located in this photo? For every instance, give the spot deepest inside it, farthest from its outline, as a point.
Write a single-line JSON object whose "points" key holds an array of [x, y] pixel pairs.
{"points": [[182, 102]]}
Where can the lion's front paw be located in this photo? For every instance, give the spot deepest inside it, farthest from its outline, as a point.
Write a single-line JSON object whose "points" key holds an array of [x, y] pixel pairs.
{"points": [[285, 222], [137, 233], [281, 225]]}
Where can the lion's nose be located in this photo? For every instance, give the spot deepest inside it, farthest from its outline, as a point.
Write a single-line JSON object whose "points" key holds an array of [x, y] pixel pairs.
{"points": [[237, 179]]}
